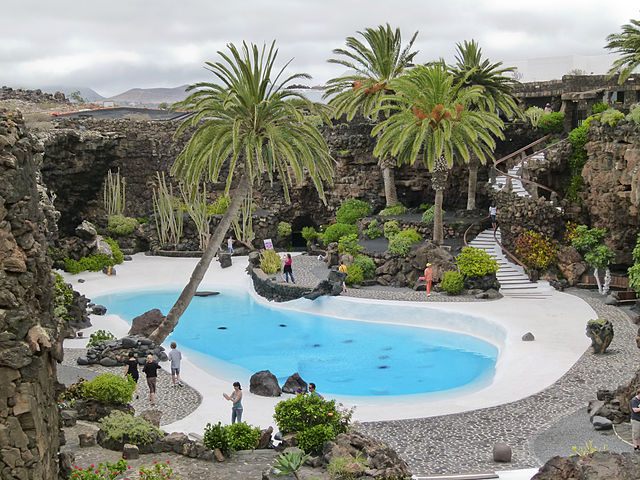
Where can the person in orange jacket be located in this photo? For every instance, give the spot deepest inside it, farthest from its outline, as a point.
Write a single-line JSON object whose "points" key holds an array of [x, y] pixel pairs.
{"points": [[428, 278]]}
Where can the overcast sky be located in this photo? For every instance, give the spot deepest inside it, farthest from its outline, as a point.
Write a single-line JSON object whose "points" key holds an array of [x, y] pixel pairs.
{"points": [[116, 45]]}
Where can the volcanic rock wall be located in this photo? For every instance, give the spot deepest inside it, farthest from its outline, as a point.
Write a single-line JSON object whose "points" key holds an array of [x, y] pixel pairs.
{"points": [[611, 193], [29, 334], [79, 153]]}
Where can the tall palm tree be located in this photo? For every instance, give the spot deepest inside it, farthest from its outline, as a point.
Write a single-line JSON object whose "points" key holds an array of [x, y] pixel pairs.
{"points": [[252, 123], [434, 119], [471, 69], [372, 65], [627, 44]]}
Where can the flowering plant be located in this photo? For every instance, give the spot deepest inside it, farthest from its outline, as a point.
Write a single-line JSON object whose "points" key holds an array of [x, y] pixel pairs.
{"points": [[536, 250], [122, 471]]}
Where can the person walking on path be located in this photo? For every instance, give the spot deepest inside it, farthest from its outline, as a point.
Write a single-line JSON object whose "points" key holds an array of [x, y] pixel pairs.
{"points": [[493, 211], [343, 268], [131, 368], [175, 356], [151, 370], [287, 269], [312, 390], [230, 244], [635, 421], [236, 399], [428, 278]]}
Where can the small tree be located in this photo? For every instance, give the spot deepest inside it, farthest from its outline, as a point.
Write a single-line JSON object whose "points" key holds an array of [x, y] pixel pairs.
{"points": [[590, 242]]}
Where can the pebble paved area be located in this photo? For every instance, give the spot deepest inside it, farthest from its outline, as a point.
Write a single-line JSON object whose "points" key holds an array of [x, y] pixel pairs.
{"points": [[536, 427]]}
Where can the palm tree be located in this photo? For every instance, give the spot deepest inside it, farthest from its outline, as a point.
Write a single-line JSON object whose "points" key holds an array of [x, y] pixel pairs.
{"points": [[435, 120], [372, 64], [627, 44], [471, 69], [255, 125]]}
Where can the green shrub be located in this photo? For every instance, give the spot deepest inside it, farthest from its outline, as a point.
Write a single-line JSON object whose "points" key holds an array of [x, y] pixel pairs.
{"points": [[575, 186], [634, 115], [219, 207], [599, 108], [349, 244], [270, 262], [302, 412], [284, 230], [452, 282], [474, 262], [73, 391], [611, 117], [551, 123], [424, 206], [429, 214], [536, 250], [124, 428], [63, 298], [312, 439], [411, 235], [337, 230], [397, 209], [342, 467], [634, 270], [534, 114], [92, 263], [116, 253], [354, 275], [121, 225], [366, 264], [109, 388], [309, 234], [352, 210], [216, 436], [243, 436], [391, 228], [99, 336], [400, 245], [373, 230], [142, 220]]}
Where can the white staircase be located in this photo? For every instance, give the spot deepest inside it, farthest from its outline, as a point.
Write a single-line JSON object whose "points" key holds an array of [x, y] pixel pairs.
{"points": [[514, 282]]}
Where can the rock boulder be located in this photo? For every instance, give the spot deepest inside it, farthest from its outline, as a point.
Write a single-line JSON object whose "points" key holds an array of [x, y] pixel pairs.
{"points": [[265, 384]]}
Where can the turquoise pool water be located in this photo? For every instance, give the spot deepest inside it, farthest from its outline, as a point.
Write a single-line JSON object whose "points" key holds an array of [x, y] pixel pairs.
{"points": [[344, 357]]}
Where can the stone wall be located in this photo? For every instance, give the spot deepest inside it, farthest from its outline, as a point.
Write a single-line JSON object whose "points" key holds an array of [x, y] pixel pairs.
{"points": [[79, 153], [611, 193], [29, 334]]}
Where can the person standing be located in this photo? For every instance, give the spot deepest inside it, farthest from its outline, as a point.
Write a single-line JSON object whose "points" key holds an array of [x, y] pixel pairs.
{"points": [[343, 268], [236, 405], [635, 421], [175, 356], [547, 108], [230, 244], [151, 370], [428, 278], [287, 269], [493, 211], [131, 368]]}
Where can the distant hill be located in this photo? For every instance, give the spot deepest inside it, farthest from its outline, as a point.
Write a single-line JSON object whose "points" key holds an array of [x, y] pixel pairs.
{"points": [[89, 95], [149, 97]]}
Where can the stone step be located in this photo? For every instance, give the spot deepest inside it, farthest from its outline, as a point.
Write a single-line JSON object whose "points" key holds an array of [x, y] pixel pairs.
{"points": [[458, 476], [531, 286]]}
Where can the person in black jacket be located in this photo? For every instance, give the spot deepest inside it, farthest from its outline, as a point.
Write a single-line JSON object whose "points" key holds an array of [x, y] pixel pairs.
{"points": [[132, 369], [151, 370]]}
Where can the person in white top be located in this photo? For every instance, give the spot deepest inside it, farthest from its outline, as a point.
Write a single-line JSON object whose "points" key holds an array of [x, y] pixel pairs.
{"points": [[493, 211], [230, 245]]}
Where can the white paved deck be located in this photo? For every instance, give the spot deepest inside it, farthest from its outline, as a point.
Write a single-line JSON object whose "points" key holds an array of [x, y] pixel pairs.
{"points": [[523, 368]]}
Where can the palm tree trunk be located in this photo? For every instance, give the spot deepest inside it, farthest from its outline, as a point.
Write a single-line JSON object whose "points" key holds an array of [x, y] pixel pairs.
{"points": [[171, 320], [389, 179], [438, 234], [473, 184]]}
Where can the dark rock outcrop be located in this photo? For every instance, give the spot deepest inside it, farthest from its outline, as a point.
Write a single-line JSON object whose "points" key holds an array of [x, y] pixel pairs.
{"points": [[112, 353], [601, 334], [146, 323], [331, 286], [595, 466], [265, 384], [295, 384]]}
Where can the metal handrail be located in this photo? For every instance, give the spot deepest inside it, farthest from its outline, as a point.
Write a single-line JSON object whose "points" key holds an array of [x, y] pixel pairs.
{"points": [[477, 222], [503, 159], [509, 254]]}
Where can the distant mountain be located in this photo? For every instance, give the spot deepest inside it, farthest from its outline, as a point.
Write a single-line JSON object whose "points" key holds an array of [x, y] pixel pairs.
{"points": [[149, 97], [89, 95]]}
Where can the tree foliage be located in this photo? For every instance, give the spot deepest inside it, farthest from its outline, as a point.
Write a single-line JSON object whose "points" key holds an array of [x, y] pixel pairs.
{"points": [[627, 44]]}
